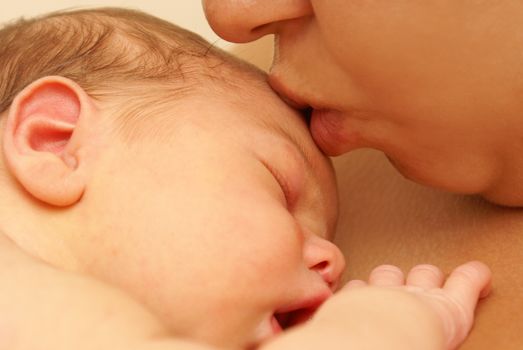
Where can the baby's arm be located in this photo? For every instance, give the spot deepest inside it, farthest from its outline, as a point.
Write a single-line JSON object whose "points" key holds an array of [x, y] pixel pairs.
{"points": [[427, 311], [43, 308]]}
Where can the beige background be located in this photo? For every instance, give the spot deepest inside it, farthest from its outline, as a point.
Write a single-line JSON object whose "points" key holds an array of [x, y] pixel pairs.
{"points": [[186, 13]]}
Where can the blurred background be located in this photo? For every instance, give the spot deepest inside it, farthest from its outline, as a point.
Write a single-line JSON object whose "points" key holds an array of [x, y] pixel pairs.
{"points": [[185, 13]]}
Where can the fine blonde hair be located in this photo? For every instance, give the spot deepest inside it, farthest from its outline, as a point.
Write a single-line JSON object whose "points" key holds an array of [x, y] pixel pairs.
{"points": [[108, 52]]}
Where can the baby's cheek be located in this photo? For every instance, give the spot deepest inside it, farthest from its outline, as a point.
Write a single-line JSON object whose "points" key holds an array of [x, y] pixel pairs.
{"points": [[278, 250]]}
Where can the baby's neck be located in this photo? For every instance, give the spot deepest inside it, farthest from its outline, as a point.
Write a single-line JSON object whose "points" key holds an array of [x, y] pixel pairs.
{"points": [[31, 226]]}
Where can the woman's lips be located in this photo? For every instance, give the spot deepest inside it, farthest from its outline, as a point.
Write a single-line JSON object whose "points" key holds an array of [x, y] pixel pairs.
{"points": [[286, 94], [326, 124], [328, 131]]}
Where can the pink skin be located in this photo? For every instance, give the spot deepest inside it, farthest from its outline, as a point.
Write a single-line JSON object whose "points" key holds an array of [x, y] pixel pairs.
{"points": [[453, 298]]}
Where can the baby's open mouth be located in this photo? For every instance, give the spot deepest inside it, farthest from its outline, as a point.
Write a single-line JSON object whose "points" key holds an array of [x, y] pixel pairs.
{"points": [[290, 319], [289, 316], [297, 314]]}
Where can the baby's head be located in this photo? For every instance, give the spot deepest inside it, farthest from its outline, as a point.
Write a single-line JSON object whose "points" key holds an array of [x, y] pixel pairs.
{"points": [[135, 152]]}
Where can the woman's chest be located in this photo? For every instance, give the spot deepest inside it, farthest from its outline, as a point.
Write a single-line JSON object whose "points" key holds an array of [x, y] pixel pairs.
{"points": [[387, 219]]}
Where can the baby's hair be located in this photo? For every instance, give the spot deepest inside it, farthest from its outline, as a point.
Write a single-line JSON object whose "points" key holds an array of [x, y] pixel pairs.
{"points": [[108, 52]]}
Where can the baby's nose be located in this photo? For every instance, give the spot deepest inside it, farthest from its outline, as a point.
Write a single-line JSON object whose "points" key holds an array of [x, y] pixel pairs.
{"points": [[247, 20], [325, 258]]}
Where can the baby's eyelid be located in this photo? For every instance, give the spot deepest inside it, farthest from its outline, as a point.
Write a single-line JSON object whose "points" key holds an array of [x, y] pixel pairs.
{"points": [[282, 181]]}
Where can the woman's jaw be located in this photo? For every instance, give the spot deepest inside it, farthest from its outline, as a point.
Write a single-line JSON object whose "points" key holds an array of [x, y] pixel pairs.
{"points": [[447, 156]]}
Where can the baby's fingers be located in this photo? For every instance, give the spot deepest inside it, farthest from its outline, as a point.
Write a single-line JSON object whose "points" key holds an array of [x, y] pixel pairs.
{"points": [[425, 276], [386, 276], [467, 283], [352, 284]]}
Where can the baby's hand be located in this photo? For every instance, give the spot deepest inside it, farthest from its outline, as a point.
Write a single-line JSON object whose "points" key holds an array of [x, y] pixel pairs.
{"points": [[453, 299]]}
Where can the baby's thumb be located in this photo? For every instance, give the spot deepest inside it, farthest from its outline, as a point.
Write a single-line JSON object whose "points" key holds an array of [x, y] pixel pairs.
{"points": [[469, 282], [466, 285]]}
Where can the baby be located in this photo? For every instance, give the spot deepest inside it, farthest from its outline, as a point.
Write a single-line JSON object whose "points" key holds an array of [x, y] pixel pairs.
{"points": [[176, 201]]}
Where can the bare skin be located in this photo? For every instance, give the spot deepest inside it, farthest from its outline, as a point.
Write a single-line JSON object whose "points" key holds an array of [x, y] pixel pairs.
{"points": [[417, 64], [423, 310], [383, 217], [437, 314], [387, 219]]}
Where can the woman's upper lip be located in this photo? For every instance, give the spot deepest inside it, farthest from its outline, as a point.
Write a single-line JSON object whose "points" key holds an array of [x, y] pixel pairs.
{"points": [[287, 94]]}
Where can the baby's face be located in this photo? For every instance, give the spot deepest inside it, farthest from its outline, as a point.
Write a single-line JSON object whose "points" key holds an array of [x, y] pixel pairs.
{"points": [[219, 220], [436, 84]]}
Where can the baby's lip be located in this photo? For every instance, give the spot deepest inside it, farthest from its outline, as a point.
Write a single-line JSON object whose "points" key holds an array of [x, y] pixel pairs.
{"points": [[301, 311], [290, 315]]}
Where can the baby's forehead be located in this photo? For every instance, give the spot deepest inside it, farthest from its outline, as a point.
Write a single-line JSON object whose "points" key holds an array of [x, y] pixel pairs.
{"points": [[245, 88], [233, 73]]}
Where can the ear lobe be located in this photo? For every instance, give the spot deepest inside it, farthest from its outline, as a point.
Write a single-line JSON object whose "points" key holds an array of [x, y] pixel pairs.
{"points": [[39, 144]]}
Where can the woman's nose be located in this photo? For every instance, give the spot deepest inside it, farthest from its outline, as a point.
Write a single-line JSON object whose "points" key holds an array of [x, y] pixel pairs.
{"points": [[325, 258], [247, 20]]}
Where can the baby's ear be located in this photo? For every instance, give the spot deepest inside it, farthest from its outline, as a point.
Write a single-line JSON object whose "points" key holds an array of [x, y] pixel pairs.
{"points": [[44, 143]]}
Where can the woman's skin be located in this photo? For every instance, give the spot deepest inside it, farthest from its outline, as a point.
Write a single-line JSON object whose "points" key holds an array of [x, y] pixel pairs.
{"points": [[388, 219], [436, 85]]}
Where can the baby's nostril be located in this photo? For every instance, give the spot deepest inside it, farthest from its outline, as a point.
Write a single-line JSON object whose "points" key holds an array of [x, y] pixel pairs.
{"points": [[321, 266]]}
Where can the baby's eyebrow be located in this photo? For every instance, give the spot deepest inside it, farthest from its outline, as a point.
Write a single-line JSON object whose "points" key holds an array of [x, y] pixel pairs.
{"points": [[301, 149], [304, 153]]}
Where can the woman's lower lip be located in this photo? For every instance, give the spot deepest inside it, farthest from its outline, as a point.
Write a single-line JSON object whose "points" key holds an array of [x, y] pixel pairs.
{"points": [[328, 132]]}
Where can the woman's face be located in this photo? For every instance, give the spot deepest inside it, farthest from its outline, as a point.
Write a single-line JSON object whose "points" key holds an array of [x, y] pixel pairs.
{"points": [[435, 84]]}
